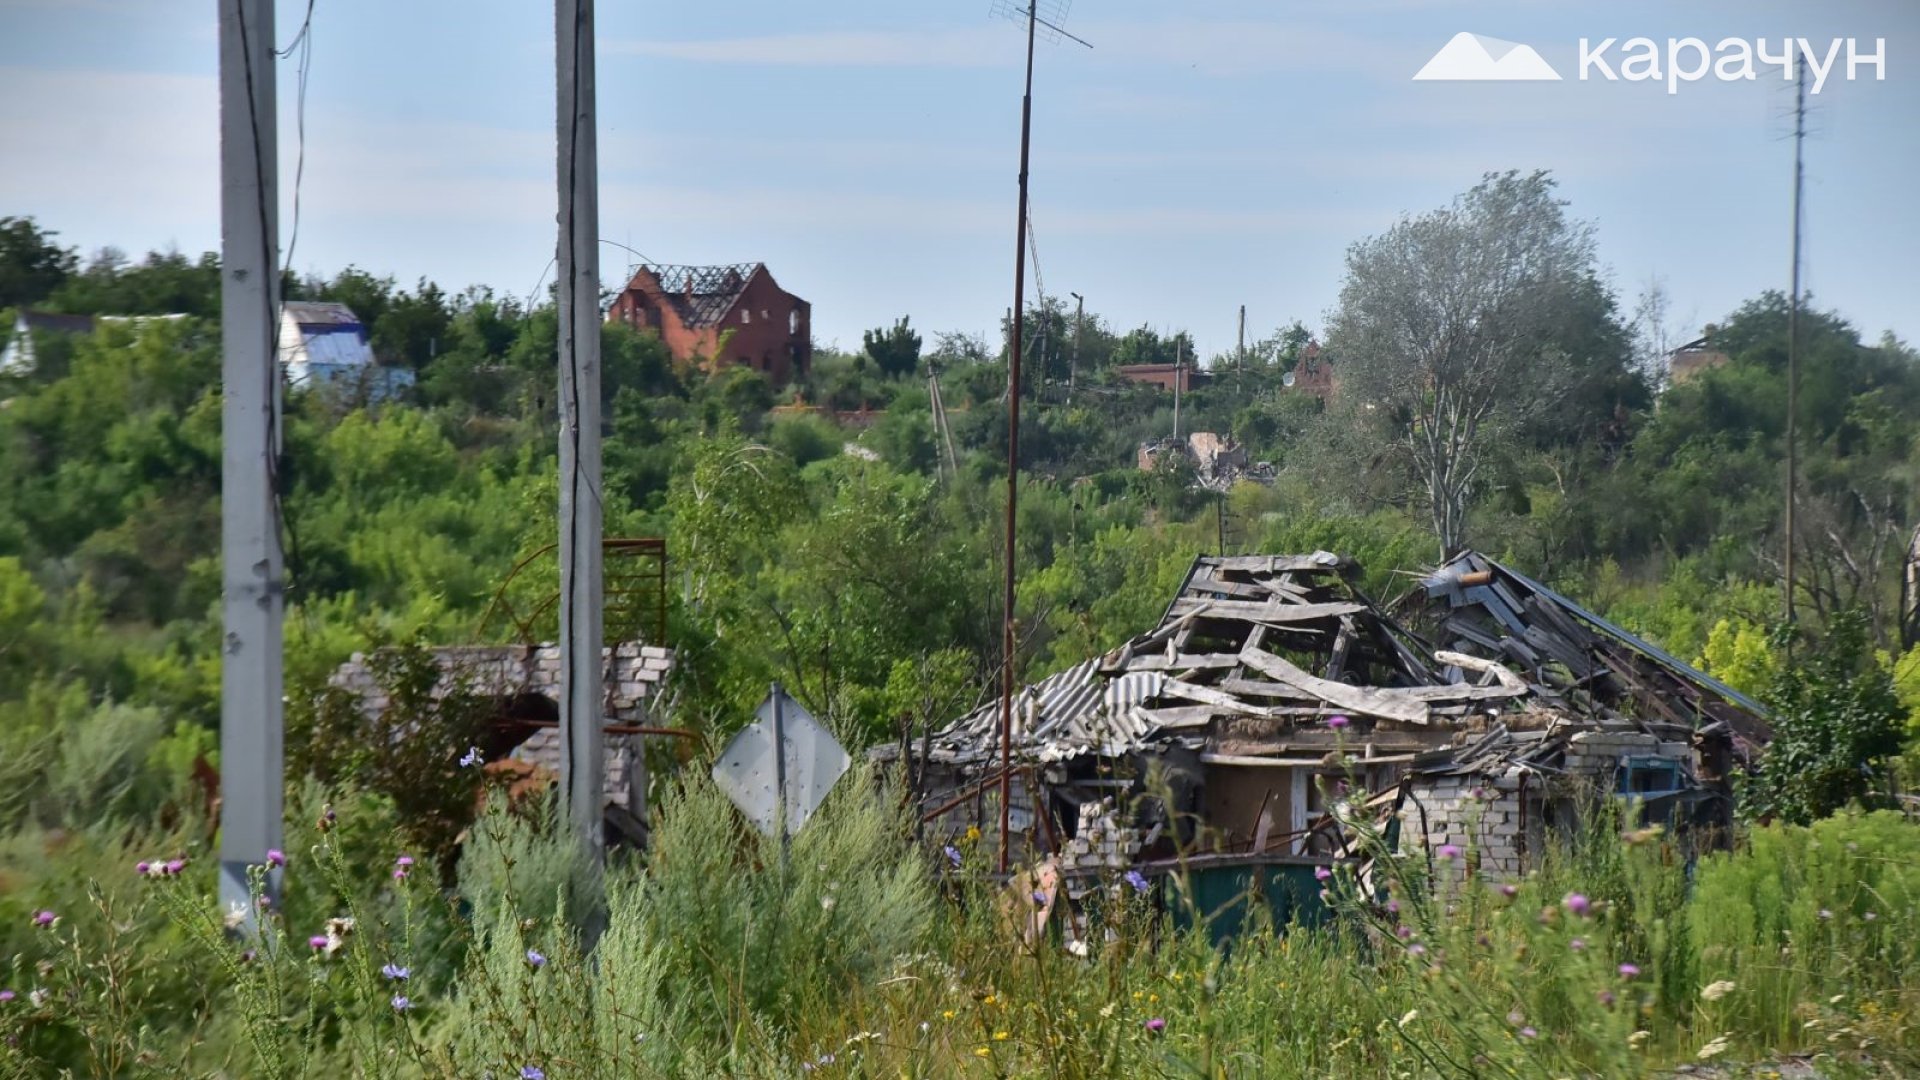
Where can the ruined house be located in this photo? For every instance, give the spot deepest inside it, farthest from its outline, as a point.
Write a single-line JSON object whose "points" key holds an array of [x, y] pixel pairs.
{"points": [[1484, 710], [722, 315]]}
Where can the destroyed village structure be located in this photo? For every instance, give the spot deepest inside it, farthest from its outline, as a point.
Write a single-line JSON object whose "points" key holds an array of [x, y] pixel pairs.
{"points": [[722, 316], [1274, 699]]}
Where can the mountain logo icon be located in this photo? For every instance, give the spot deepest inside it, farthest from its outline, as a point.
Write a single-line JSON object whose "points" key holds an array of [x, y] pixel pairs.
{"points": [[1479, 58]]}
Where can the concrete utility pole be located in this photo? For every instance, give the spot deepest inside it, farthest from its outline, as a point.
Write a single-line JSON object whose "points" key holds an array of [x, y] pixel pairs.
{"points": [[577, 261], [1240, 345], [1073, 359], [252, 583], [1179, 355], [1793, 333]]}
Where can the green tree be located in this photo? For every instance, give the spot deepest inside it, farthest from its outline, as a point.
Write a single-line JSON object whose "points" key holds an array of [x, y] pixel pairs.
{"points": [[32, 265], [894, 350], [1838, 722], [1451, 329]]}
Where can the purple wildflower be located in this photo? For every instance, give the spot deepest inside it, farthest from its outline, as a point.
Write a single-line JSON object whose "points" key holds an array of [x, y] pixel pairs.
{"points": [[44, 918], [1337, 722], [532, 1072], [1393, 907], [1321, 873], [1449, 851], [396, 972], [953, 855], [1509, 891], [401, 1003], [470, 758], [1607, 998], [1629, 971], [1578, 944], [1404, 932], [1039, 898], [403, 862], [174, 866], [317, 942], [1529, 1033], [143, 868], [1156, 1025], [399, 873], [276, 857], [1577, 904], [6, 996], [1138, 880], [535, 960], [1416, 949]]}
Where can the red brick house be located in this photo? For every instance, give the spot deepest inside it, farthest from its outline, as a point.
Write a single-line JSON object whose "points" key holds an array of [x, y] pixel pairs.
{"points": [[721, 315]]}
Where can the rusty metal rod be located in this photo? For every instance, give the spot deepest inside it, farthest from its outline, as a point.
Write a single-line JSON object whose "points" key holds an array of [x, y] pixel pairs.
{"points": [[1013, 443]]}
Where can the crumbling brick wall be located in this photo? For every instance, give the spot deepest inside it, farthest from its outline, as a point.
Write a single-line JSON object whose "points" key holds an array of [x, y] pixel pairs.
{"points": [[633, 674]]}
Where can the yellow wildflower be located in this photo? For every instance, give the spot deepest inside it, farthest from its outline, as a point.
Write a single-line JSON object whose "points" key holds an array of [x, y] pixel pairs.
{"points": [[981, 1051], [999, 1036]]}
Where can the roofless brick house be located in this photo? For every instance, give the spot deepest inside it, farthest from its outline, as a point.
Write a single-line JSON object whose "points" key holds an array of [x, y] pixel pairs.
{"points": [[721, 315]]}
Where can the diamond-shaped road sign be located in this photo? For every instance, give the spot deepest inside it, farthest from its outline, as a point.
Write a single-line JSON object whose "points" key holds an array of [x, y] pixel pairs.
{"points": [[754, 777]]}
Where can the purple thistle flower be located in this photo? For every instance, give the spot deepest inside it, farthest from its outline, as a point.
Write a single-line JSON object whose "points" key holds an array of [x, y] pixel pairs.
{"points": [[1138, 880], [1577, 904], [44, 918], [401, 1003], [1529, 1033], [396, 972], [1629, 971], [1578, 944], [1156, 1025], [6, 996], [317, 942], [403, 861], [1509, 891], [953, 855], [174, 866], [399, 873], [265, 901], [1403, 932], [143, 868], [1321, 873], [1337, 722], [1449, 851], [1393, 907], [276, 857], [535, 960], [532, 1072]]}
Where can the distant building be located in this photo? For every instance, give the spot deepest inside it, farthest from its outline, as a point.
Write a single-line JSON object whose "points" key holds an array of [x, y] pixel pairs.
{"points": [[722, 315], [1312, 374], [1165, 376], [323, 345], [17, 358], [1689, 360]]}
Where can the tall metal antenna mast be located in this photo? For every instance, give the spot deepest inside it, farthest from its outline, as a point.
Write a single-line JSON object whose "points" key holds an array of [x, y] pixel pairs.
{"points": [[1030, 14], [1793, 328]]}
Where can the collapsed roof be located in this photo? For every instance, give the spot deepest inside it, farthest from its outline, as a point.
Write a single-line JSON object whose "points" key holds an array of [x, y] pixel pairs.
{"points": [[702, 295], [1285, 640]]}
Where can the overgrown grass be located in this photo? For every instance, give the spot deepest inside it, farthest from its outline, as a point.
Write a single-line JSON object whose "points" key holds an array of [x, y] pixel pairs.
{"points": [[860, 955]]}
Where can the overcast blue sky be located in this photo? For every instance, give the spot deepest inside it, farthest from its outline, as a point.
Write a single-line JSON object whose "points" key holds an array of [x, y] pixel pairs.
{"points": [[1201, 157]]}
